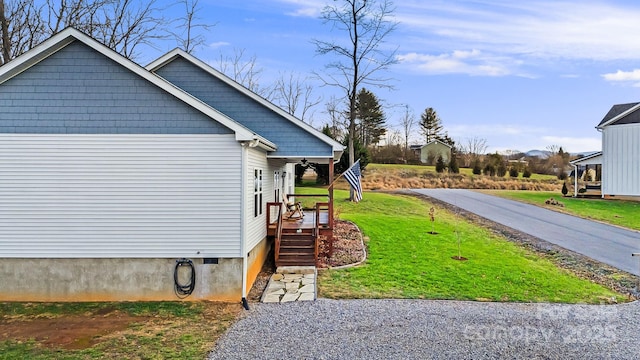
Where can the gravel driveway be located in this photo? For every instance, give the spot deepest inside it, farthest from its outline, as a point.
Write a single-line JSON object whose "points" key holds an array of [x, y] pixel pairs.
{"points": [[426, 329]]}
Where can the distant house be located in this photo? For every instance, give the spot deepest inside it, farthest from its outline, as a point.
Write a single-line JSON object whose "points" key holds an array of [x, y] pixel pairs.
{"points": [[112, 173], [429, 152], [620, 157]]}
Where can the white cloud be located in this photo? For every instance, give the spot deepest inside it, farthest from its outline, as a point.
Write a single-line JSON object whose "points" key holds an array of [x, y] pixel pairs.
{"points": [[624, 77], [471, 62], [305, 8], [573, 144], [533, 29], [218, 44], [620, 75], [486, 130], [628, 77]]}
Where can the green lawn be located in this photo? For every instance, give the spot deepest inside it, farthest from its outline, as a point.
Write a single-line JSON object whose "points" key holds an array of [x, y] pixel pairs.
{"points": [[617, 212], [404, 261]]}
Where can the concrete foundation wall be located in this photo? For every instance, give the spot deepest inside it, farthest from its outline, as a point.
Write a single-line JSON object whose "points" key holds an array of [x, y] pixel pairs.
{"points": [[123, 279], [114, 280]]}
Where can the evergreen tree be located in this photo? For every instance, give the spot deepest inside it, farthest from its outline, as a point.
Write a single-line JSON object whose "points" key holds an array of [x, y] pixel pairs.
{"points": [[371, 118], [431, 124], [361, 153], [440, 165], [453, 164], [477, 169], [445, 138]]}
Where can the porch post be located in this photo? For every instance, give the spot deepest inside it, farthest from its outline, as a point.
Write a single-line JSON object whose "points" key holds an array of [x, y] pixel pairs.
{"points": [[331, 194], [575, 180]]}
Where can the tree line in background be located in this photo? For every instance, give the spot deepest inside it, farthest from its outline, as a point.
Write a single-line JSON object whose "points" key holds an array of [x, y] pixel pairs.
{"points": [[359, 120]]}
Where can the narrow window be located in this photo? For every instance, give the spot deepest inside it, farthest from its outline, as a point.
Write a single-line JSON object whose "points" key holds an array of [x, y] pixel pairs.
{"points": [[257, 192], [276, 186]]}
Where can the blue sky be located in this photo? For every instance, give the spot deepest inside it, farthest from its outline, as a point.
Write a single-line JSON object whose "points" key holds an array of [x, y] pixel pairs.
{"points": [[522, 75]]}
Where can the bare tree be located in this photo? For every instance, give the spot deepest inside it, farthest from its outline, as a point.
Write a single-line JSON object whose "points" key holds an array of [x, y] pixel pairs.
{"points": [[365, 24], [295, 96], [407, 121], [336, 115], [244, 71], [188, 37], [22, 26], [471, 148], [128, 25], [4, 27], [393, 138], [122, 25], [553, 149]]}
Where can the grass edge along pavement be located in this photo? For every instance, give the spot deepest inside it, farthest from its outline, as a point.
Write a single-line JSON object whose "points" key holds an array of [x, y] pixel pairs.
{"points": [[404, 261], [614, 212]]}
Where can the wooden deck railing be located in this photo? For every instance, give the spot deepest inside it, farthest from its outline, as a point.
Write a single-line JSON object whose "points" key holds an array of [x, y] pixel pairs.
{"points": [[278, 233], [318, 213]]}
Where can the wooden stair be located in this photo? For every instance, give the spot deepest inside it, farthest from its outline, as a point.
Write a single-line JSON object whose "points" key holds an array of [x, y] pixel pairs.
{"points": [[297, 249]]}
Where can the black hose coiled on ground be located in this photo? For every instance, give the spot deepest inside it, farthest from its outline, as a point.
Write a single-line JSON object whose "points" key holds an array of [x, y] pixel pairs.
{"points": [[184, 290]]}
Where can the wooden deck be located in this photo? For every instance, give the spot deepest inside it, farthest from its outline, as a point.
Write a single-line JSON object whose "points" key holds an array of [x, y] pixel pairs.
{"points": [[297, 241], [306, 223]]}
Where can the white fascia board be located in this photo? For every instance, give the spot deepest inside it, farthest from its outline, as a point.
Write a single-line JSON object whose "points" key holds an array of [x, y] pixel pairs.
{"points": [[35, 55], [437, 141], [171, 55], [68, 35], [296, 159], [588, 160], [619, 116]]}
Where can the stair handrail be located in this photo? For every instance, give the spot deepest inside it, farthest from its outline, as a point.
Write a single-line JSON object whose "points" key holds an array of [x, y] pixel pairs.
{"points": [[278, 233], [316, 237]]}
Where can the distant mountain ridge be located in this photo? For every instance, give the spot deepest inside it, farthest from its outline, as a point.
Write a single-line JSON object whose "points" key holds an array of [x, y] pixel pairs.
{"points": [[545, 153]]}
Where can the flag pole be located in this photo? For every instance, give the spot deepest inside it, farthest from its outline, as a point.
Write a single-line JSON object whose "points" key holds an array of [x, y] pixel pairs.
{"points": [[338, 178]]}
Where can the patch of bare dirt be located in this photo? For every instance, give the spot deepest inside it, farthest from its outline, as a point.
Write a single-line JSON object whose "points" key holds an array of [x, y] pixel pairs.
{"points": [[582, 266], [67, 332], [86, 330], [268, 268]]}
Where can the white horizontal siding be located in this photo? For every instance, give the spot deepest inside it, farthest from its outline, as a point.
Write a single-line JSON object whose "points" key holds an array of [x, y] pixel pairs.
{"points": [[256, 225], [105, 196], [621, 160]]}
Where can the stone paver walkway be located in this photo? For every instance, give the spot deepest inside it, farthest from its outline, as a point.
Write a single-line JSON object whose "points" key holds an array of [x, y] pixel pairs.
{"points": [[291, 283]]}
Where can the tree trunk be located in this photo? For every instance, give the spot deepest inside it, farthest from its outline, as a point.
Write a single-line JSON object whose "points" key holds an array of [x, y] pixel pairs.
{"points": [[4, 28]]}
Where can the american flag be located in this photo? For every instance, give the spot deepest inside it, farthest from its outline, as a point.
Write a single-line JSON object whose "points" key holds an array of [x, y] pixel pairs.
{"points": [[352, 175]]}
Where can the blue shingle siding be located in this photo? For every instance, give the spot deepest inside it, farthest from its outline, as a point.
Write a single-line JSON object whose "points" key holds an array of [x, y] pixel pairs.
{"points": [[291, 139], [80, 91]]}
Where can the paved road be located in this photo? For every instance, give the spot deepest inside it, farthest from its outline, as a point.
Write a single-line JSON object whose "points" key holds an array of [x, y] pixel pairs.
{"points": [[608, 244], [426, 329]]}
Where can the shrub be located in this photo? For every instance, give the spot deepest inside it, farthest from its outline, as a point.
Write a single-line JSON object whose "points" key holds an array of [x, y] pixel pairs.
{"points": [[453, 165], [562, 175], [501, 170], [477, 170], [489, 170], [526, 173], [513, 172], [440, 165]]}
